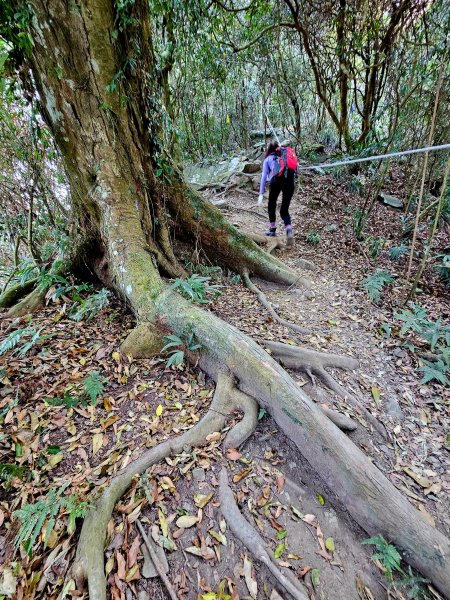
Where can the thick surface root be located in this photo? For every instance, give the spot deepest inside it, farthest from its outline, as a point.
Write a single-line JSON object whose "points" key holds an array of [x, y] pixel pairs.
{"points": [[30, 304], [14, 293], [89, 561], [275, 243], [370, 498], [342, 421], [253, 541], [314, 364], [265, 302]]}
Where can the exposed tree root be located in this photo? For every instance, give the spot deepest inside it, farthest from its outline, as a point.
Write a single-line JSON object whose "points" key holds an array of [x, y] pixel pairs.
{"points": [[271, 243], [274, 243], [265, 302], [342, 421], [12, 294], [31, 303], [89, 561], [253, 541], [370, 498], [314, 364]]}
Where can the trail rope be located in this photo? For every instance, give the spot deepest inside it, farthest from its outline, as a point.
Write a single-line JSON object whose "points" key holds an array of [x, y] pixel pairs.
{"points": [[375, 157]]}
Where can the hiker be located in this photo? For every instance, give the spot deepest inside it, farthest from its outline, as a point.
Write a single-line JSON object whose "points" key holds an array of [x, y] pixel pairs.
{"points": [[279, 168]]}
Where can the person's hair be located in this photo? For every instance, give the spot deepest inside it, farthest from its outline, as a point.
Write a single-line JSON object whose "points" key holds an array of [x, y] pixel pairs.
{"points": [[273, 145]]}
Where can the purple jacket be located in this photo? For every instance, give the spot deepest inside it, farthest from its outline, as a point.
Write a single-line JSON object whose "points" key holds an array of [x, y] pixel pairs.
{"points": [[267, 172]]}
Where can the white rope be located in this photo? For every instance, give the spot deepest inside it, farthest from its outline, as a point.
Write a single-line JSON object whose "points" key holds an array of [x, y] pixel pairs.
{"points": [[376, 157]]}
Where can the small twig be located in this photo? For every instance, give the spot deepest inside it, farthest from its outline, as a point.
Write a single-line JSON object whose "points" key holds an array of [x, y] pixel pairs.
{"points": [[157, 562]]}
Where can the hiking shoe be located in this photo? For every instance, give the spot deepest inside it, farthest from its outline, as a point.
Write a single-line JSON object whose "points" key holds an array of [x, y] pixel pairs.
{"points": [[289, 237], [271, 232]]}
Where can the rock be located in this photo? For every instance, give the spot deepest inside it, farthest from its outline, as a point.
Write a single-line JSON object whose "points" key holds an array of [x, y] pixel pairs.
{"points": [[198, 474], [309, 294], [391, 201], [148, 570], [252, 167]]}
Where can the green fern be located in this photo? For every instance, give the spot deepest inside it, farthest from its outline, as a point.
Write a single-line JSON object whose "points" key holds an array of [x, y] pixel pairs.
{"points": [[196, 288], [10, 471], [85, 310], [93, 386], [436, 370], [387, 555], [313, 237], [375, 283], [13, 339], [67, 400], [34, 516], [397, 252]]}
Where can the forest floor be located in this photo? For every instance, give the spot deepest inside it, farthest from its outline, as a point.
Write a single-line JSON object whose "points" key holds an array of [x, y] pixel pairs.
{"points": [[94, 430]]}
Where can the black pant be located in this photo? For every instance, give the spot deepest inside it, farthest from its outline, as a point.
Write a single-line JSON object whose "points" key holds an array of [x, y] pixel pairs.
{"points": [[285, 185]]}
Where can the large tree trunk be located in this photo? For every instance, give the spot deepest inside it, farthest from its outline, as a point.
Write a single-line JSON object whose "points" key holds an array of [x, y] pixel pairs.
{"points": [[93, 68]]}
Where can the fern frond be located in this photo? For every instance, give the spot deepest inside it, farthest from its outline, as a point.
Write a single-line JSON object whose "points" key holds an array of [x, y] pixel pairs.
{"points": [[375, 283], [93, 386], [13, 339]]}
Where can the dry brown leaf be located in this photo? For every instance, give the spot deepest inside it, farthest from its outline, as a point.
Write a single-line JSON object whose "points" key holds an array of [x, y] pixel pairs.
{"points": [[422, 481], [121, 566], [241, 475], [233, 454], [250, 580], [133, 551]]}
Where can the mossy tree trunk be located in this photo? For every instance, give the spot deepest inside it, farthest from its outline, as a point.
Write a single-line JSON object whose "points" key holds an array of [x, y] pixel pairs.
{"points": [[94, 71], [93, 67]]}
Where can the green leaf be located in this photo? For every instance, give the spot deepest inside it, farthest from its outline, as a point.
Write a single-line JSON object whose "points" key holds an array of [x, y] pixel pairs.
{"points": [[329, 544], [281, 534], [279, 550], [376, 394], [315, 578]]}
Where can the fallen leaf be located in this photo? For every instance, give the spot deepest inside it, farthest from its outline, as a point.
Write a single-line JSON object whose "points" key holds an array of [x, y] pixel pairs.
{"points": [[310, 519], [201, 500], [320, 499], [435, 488], [241, 475], [233, 454], [97, 442], [218, 536], [376, 394], [329, 544], [186, 521], [194, 550], [54, 459], [422, 481], [121, 571], [159, 410], [315, 578], [250, 581], [279, 550]]}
